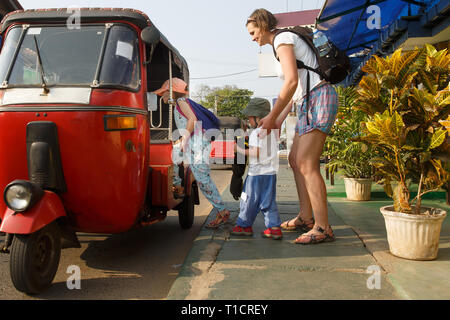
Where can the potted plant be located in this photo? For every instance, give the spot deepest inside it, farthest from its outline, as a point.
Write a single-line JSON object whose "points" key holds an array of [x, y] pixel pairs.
{"points": [[345, 150], [446, 186], [405, 96]]}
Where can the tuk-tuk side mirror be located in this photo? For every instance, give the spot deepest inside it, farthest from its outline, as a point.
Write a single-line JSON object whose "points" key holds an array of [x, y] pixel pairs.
{"points": [[150, 35], [152, 101]]}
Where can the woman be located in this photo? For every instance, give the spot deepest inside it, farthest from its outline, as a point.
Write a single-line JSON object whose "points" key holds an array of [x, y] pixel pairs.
{"points": [[192, 148], [315, 120]]}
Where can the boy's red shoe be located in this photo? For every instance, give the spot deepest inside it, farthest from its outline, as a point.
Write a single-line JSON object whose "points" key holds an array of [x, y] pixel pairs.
{"points": [[239, 231], [274, 233]]}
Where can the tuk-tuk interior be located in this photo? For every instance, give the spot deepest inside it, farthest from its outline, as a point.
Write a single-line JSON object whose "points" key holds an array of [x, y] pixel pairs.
{"points": [[157, 74]]}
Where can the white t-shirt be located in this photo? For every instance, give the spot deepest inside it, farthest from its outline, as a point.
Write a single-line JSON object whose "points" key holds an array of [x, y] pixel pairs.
{"points": [[268, 153], [304, 53]]}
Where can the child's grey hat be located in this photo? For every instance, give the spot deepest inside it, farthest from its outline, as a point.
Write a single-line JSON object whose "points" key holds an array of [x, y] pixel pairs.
{"points": [[257, 107]]}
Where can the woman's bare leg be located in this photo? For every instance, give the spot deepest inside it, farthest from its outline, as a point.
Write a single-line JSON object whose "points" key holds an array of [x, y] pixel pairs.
{"points": [[306, 211], [308, 149], [305, 215]]}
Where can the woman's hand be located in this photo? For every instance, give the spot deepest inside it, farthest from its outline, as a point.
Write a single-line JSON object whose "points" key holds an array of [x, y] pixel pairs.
{"points": [[266, 124], [278, 124]]}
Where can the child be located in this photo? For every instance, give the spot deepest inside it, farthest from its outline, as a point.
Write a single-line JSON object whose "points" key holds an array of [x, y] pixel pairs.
{"points": [[193, 148], [259, 193]]}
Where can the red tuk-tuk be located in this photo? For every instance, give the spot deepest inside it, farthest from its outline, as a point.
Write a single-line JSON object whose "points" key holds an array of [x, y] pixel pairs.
{"points": [[85, 145], [222, 149]]}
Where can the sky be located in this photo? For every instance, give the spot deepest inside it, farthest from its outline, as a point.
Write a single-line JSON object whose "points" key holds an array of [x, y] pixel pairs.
{"points": [[210, 34]]}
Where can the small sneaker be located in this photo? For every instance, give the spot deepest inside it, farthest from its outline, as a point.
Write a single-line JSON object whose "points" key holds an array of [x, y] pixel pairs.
{"points": [[239, 231], [274, 233]]}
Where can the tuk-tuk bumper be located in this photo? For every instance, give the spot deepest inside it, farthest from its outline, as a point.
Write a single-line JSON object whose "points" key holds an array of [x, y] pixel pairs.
{"points": [[45, 211]]}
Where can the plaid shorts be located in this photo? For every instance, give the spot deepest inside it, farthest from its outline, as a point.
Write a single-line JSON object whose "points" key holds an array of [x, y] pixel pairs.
{"points": [[321, 113]]}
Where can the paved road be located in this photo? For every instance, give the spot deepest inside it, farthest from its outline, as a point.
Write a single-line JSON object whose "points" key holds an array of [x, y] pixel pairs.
{"points": [[141, 264]]}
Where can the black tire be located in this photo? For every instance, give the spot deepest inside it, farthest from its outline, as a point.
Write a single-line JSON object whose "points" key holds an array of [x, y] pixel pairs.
{"points": [[187, 211], [35, 258]]}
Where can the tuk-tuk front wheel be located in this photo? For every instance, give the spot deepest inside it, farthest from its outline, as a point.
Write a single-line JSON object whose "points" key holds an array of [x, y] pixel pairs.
{"points": [[186, 211], [34, 259]]}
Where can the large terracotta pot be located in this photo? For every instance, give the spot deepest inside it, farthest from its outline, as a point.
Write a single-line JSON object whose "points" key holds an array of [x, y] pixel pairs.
{"points": [[412, 236]]}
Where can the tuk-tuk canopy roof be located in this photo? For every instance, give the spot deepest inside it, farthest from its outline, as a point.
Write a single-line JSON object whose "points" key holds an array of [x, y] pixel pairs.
{"points": [[8, 6], [88, 15]]}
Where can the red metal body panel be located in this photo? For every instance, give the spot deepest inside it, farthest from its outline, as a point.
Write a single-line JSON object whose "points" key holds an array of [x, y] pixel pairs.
{"points": [[48, 209], [106, 183], [161, 154], [106, 172], [222, 149], [110, 97], [161, 164]]}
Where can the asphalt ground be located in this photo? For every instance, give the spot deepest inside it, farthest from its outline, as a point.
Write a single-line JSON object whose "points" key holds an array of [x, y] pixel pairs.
{"points": [[141, 264]]}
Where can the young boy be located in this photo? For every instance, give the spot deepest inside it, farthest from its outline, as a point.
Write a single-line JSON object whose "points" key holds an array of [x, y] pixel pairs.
{"points": [[259, 191]]}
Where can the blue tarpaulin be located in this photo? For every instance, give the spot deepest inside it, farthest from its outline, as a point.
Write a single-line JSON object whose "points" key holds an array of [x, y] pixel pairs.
{"points": [[350, 25]]}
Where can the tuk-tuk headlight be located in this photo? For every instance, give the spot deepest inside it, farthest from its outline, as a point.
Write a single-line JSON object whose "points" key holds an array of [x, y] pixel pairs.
{"points": [[20, 195]]}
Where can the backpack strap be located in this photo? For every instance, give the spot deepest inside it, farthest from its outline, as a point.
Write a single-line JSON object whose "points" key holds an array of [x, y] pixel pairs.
{"points": [[307, 98], [300, 64]]}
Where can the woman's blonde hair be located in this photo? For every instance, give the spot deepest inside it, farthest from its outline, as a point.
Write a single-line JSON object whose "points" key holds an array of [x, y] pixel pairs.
{"points": [[263, 19]]}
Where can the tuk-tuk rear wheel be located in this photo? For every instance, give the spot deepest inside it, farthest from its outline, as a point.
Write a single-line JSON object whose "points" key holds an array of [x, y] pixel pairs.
{"points": [[186, 211], [35, 258]]}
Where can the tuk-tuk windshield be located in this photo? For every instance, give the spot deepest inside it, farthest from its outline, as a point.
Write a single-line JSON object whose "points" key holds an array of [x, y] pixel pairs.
{"points": [[71, 57]]}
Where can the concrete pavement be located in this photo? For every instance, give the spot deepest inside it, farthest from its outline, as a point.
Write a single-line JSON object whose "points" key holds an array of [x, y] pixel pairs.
{"points": [[410, 279], [356, 266]]}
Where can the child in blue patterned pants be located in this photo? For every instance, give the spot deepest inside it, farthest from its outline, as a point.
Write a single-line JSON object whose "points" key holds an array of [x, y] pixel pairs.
{"points": [[193, 149]]}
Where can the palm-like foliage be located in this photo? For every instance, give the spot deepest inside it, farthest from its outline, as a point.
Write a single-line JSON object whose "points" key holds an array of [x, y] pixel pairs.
{"points": [[405, 97], [344, 147]]}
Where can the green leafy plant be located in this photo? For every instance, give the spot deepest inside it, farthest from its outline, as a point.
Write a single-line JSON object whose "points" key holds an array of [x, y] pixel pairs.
{"points": [[406, 96], [227, 100], [344, 146]]}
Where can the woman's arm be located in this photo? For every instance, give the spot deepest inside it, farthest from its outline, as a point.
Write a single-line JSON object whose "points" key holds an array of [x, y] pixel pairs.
{"points": [[191, 118], [283, 115], [288, 62], [189, 114]]}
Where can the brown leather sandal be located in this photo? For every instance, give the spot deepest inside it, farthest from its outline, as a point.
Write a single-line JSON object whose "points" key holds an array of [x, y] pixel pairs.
{"points": [[304, 226], [323, 236], [221, 218]]}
